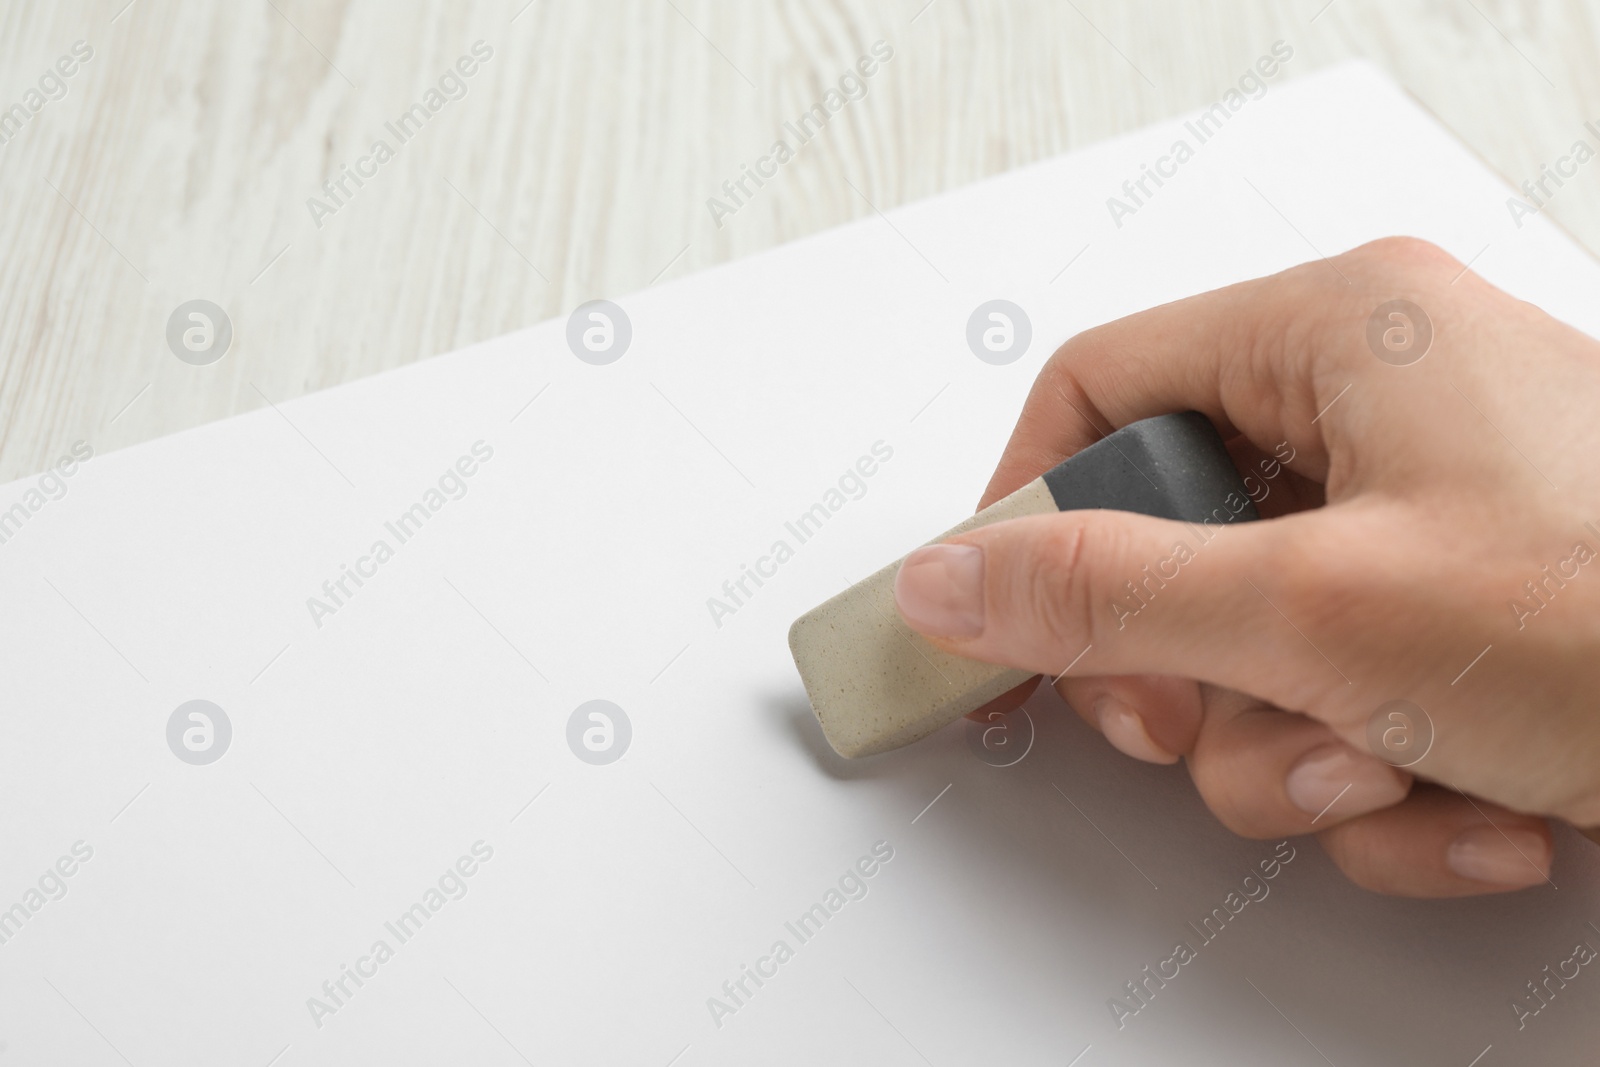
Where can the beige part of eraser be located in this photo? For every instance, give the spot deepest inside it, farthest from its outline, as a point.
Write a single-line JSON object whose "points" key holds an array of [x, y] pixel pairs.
{"points": [[875, 683]]}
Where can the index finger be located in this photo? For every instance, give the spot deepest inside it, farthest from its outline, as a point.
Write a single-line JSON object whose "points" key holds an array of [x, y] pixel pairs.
{"points": [[1253, 357]]}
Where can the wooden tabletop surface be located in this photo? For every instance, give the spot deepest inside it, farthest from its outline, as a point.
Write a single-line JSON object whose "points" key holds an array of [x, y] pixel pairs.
{"points": [[180, 151]]}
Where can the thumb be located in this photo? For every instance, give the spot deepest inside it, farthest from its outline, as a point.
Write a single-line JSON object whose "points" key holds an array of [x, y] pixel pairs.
{"points": [[1111, 592]]}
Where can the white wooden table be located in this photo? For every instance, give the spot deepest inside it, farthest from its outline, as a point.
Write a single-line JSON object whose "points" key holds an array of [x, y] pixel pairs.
{"points": [[178, 161]]}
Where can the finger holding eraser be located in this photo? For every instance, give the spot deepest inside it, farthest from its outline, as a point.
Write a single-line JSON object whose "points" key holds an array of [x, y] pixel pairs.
{"points": [[876, 685]]}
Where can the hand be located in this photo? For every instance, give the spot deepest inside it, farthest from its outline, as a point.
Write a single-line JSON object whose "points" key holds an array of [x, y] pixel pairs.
{"points": [[1426, 537]]}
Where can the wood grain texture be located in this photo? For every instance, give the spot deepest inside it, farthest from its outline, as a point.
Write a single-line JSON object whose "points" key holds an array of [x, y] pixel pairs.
{"points": [[181, 158]]}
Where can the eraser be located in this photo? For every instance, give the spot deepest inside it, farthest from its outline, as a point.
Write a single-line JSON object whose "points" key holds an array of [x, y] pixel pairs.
{"points": [[875, 684]]}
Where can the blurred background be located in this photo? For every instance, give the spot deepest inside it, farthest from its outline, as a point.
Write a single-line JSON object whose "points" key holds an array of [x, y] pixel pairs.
{"points": [[186, 154]]}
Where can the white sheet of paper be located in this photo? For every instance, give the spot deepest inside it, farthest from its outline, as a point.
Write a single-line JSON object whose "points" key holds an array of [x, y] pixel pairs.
{"points": [[374, 747]]}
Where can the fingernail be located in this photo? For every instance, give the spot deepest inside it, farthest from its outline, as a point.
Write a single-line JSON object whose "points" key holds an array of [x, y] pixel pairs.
{"points": [[939, 590], [1512, 858], [1126, 732], [1335, 781]]}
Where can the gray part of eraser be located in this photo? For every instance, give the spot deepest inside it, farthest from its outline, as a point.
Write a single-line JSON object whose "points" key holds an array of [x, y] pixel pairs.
{"points": [[1168, 467], [876, 685]]}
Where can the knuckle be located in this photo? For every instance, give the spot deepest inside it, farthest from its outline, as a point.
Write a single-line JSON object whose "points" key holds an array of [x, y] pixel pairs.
{"points": [[1321, 603], [1369, 860], [1237, 786], [1355, 857], [1391, 260], [1051, 589], [1237, 801], [1314, 580]]}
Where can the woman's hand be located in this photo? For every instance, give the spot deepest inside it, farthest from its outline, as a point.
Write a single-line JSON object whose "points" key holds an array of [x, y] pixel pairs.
{"points": [[1427, 474]]}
